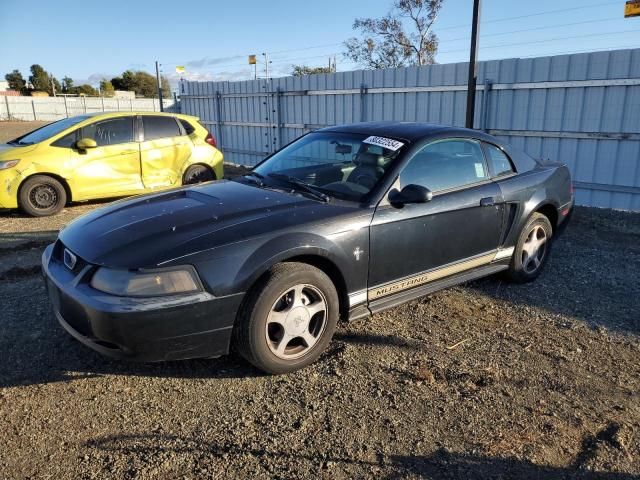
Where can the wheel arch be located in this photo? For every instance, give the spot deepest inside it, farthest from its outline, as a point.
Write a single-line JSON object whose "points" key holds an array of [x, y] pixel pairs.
{"points": [[327, 266], [549, 211], [63, 181], [317, 257]]}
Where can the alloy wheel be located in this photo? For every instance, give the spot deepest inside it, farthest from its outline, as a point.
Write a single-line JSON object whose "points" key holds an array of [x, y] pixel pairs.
{"points": [[534, 249], [296, 321]]}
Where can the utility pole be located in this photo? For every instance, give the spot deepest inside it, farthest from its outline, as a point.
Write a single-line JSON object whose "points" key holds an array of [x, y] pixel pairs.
{"points": [[473, 64], [159, 86], [53, 87]]}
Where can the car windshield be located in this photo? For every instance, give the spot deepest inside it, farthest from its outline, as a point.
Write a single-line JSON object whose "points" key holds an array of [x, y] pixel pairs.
{"points": [[48, 131], [342, 165]]}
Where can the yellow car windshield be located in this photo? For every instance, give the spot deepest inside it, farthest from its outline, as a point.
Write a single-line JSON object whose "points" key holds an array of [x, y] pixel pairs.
{"points": [[47, 131]]}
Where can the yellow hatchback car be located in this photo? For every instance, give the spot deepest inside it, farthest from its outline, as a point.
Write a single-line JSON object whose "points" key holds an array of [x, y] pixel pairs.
{"points": [[104, 155]]}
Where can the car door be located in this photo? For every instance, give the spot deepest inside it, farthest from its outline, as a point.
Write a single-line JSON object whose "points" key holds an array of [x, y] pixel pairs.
{"points": [[113, 166], [164, 149], [458, 229]]}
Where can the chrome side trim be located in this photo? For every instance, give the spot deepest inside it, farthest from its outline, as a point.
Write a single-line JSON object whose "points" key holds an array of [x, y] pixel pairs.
{"points": [[357, 298], [503, 253], [430, 275]]}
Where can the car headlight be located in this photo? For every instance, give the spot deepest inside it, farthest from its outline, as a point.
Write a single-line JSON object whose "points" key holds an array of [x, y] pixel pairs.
{"points": [[4, 164], [146, 283]]}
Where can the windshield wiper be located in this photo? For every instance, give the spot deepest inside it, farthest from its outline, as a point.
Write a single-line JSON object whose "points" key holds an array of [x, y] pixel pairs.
{"points": [[258, 177], [301, 185]]}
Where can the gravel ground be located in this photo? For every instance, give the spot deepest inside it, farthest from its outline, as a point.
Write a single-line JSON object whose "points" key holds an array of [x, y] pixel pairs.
{"points": [[484, 380]]}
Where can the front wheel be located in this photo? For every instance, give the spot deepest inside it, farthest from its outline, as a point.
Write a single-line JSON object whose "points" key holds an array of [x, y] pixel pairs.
{"points": [[42, 195], [532, 250], [288, 318]]}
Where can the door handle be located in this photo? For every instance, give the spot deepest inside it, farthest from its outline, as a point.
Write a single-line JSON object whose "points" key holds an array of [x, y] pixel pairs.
{"points": [[128, 152], [487, 202]]}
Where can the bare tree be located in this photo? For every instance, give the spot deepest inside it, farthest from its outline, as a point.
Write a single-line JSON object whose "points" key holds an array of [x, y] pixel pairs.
{"points": [[385, 43]]}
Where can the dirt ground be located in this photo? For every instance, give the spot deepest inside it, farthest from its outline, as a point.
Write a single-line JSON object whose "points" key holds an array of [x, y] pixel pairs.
{"points": [[485, 380], [11, 130]]}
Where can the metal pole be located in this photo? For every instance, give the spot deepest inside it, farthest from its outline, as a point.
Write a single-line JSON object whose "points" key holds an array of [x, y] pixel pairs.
{"points": [[33, 106], [159, 86], [6, 100], [484, 116], [102, 99], [266, 65], [66, 108], [363, 93], [473, 64]]}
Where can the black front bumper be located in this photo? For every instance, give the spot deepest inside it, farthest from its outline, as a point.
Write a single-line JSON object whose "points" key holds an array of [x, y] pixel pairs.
{"points": [[143, 329]]}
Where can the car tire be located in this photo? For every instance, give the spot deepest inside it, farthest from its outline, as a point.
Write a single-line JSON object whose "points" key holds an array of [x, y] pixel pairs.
{"points": [[41, 195], [197, 174], [532, 249], [287, 319]]}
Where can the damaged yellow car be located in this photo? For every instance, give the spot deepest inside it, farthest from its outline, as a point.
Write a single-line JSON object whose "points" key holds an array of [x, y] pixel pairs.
{"points": [[104, 155]]}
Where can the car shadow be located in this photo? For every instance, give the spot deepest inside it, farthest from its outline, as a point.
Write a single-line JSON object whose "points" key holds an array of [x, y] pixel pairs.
{"points": [[440, 464]]}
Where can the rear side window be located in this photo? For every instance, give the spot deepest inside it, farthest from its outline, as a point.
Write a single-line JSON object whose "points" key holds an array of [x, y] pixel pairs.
{"points": [[159, 127], [446, 164], [188, 128], [498, 160], [110, 132]]}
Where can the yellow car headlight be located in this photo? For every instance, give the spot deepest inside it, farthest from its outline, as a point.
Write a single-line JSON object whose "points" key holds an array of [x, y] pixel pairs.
{"points": [[4, 164]]}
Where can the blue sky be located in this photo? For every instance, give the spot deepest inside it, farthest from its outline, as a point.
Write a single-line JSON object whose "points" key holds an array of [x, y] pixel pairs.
{"points": [[88, 40]]}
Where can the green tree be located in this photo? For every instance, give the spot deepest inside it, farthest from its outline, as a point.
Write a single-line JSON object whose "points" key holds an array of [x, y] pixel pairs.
{"points": [[67, 85], [143, 83], [106, 88], [43, 81], [16, 81], [402, 37], [86, 90], [39, 79], [299, 70]]}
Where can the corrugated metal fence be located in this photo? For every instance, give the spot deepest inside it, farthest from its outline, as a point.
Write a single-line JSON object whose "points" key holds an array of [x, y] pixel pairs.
{"points": [[582, 109], [55, 108]]}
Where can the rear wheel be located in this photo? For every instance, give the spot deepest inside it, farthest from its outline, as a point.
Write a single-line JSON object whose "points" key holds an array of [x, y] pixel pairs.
{"points": [[532, 250], [42, 195], [288, 319], [197, 174]]}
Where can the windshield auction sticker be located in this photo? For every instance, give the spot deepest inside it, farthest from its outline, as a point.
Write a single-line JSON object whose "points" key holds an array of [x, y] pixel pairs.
{"points": [[383, 142]]}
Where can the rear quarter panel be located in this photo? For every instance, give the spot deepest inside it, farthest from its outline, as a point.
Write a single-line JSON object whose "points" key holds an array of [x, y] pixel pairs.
{"points": [[527, 192]]}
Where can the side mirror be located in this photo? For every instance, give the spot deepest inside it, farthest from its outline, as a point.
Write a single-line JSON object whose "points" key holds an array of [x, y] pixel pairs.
{"points": [[86, 143], [410, 194]]}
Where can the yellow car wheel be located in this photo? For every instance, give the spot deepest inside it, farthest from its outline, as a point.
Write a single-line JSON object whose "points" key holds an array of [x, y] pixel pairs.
{"points": [[197, 174], [42, 195]]}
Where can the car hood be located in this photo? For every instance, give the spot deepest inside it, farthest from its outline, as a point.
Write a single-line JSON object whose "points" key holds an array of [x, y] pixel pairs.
{"points": [[152, 229]]}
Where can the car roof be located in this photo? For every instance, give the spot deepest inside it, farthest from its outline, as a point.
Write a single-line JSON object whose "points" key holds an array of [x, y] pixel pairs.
{"points": [[411, 131], [126, 113], [408, 131]]}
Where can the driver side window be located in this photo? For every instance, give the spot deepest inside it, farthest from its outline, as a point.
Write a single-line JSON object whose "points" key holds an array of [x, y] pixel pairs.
{"points": [[110, 132], [446, 164]]}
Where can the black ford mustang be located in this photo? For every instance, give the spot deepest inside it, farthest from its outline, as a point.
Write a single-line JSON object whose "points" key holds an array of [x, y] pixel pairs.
{"points": [[342, 222]]}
